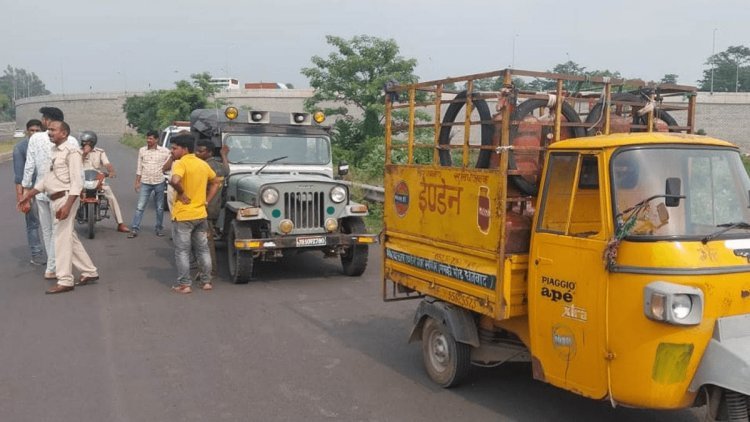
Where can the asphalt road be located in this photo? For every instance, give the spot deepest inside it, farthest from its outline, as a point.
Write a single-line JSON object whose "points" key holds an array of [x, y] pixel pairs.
{"points": [[303, 343]]}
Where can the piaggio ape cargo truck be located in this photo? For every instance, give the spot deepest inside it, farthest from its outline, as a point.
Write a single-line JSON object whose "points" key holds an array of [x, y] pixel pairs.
{"points": [[585, 231]]}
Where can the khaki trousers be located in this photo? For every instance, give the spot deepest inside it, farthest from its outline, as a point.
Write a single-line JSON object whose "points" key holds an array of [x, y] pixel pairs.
{"points": [[113, 203], [69, 251]]}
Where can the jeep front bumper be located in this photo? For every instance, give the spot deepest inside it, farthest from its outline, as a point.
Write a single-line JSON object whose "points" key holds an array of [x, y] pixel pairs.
{"points": [[321, 241]]}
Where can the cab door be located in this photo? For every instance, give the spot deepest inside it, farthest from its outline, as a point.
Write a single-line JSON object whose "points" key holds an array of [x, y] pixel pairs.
{"points": [[567, 275]]}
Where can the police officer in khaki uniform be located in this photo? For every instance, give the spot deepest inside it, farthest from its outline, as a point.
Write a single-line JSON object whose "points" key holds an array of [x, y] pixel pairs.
{"points": [[63, 184]]}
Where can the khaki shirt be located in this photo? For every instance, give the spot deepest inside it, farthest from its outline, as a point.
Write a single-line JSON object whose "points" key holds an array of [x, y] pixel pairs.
{"points": [[66, 171], [96, 159]]}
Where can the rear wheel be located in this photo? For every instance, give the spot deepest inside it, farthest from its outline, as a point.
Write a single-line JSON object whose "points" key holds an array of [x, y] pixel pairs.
{"points": [[354, 257], [446, 361], [240, 261], [91, 217]]}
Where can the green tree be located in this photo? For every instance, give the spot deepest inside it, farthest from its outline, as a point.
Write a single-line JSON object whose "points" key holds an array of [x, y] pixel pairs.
{"points": [[669, 78], [571, 68], [354, 75], [18, 83], [159, 109], [5, 107], [731, 72], [203, 81]]}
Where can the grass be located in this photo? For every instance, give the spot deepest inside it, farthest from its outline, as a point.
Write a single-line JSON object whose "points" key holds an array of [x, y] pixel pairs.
{"points": [[134, 141], [374, 220], [6, 145]]}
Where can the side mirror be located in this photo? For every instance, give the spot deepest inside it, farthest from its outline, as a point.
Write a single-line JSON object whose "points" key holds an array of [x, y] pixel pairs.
{"points": [[343, 168], [672, 192]]}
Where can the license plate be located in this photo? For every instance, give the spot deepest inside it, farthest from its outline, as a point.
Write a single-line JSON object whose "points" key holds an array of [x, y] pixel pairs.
{"points": [[303, 242]]}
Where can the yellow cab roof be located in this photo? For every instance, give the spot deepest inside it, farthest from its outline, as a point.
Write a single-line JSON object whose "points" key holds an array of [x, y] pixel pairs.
{"points": [[638, 138]]}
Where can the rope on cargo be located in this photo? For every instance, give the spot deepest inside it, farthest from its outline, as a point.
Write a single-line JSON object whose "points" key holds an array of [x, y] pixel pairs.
{"points": [[551, 100]]}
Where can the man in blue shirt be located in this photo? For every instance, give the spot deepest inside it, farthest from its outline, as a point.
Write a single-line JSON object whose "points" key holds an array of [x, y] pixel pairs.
{"points": [[32, 219]]}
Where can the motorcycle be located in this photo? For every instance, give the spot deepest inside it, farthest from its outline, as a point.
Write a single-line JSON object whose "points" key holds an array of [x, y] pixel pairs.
{"points": [[94, 205]]}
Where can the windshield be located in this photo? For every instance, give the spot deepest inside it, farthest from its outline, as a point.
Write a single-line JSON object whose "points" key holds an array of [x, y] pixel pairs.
{"points": [[713, 181], [258, 149]]}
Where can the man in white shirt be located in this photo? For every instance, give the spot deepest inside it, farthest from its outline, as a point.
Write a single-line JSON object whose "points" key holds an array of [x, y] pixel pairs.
{"points": [[39, 159]]}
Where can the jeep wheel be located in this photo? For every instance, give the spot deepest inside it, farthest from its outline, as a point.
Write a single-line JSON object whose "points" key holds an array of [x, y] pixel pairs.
{"points": [[354, 258], [240, 261]]}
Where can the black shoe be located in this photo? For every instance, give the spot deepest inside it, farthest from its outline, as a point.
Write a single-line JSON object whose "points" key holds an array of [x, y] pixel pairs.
{"points": [[38, 260]]}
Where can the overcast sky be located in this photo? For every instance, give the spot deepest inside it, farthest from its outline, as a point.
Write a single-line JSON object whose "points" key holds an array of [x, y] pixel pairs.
{"points": [[77, 46]]}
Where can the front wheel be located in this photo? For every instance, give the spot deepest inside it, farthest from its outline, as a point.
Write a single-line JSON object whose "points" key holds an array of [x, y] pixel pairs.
{"points": [[91, 217], [446, 361], [240, 261], [354, 257]]}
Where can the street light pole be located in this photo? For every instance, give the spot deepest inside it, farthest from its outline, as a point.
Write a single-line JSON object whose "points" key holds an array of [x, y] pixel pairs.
{"points": [[713, 60]]}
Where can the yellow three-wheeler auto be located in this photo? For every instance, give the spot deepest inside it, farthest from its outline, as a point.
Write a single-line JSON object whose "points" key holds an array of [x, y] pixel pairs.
{"points": [[618, 263]]}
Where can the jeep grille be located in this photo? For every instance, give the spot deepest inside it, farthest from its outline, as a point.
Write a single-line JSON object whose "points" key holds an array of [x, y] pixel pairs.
{"points": [[305, 209]]}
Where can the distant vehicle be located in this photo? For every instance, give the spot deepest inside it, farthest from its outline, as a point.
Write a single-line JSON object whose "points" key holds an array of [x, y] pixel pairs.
{"points": [[19, 133], [170, 131], [165, 140]]}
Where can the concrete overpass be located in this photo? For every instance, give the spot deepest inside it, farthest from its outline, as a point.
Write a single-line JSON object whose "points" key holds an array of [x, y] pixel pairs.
{"points": [[723, 115]]}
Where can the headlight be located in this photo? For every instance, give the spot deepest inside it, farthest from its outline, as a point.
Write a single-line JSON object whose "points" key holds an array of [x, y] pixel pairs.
{"points": [[286, 226], [331, 224], [673, 303], [338, 194], [231, 113], [270, 196], [681, 306]]}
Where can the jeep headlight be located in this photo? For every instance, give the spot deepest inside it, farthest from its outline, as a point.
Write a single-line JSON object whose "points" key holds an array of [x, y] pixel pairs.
{"points": [[338, 194], [269, 196], [673, 303]]}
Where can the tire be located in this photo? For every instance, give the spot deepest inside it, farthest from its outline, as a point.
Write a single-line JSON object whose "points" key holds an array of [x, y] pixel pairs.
{"points": [[240, 261], [91, 218], [596, 111], [488, 129], [658, 114], [446, 361], [525, 108], [354, 258]]}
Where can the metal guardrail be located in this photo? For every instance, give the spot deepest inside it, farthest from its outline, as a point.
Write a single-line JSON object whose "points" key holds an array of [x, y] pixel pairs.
{"points": [[370, 192]]}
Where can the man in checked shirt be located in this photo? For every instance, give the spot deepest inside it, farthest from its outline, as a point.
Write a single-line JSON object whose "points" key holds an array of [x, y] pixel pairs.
{"points": [[149, 178], [63, 184]]}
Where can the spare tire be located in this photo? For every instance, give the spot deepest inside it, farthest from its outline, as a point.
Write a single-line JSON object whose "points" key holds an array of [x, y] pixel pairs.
{"points": [[596, 111], [488, 129], [526, 108], [658, 114]]}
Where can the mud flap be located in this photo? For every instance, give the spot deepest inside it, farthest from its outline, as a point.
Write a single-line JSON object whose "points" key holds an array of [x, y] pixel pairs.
{"points": [[726, 362], [459, 321]]}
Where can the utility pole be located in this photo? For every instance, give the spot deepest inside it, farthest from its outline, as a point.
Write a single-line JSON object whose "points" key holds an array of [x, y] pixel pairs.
{"points": [[713, 60]]}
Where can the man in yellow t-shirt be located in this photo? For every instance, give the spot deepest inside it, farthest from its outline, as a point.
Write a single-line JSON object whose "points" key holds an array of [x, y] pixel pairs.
{"points": [[195, 184]]}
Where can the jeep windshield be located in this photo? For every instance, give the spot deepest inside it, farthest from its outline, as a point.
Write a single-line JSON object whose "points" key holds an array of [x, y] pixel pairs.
{"points": [[258, 149], [714, 190]]}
